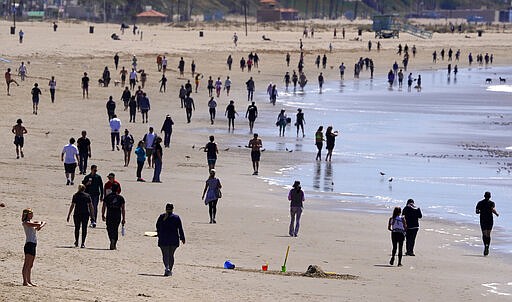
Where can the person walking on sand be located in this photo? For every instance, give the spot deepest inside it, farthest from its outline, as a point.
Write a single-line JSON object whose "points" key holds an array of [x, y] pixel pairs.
{"points": [[300, 121], [85, 86], [189, 106], [82, 204], [330, 138], [212, 104], [111, 108], [21, 34], [169, 230], [9, 80], [212, 190], [149, 144], [227, 85], [319, 142], [116, 60], [141, 159], [163, 83], [397, 225], [486, 207], [22, 71], [230, 113], [70, 157], [167, 130], [115, 126], [84, 150], [53, 86], [296, 198], [250, 89], [133, 79], [127, 142], [94, 187], [252, 115], [36, 92], [412, 214], [19, 130], [181, 67], [114, 206], [31, 227], [157, 159], [255, 144], [132, 105], [218, 87], [211, 152], [144, 106]]}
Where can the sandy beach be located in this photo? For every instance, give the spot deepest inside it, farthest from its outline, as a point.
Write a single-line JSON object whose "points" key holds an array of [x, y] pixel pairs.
{"points": [[252, 216]]}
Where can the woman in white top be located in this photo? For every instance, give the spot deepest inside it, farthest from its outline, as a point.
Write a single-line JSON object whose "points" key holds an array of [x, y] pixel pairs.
{"points": [[397, 225], [30, 226]]}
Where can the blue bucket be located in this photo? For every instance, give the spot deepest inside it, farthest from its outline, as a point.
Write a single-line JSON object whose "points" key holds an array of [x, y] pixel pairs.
{"points": [[228, 265]]}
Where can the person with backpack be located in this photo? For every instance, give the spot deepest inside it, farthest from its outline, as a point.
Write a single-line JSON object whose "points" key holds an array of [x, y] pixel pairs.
{"points": [[398, 226]]}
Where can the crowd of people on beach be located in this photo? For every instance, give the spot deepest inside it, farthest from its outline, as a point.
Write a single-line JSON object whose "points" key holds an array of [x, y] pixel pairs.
{"points": [[92, 190]]}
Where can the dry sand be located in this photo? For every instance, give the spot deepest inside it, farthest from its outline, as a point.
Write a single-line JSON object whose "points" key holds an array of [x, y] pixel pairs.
{"points": [[253, 216]]}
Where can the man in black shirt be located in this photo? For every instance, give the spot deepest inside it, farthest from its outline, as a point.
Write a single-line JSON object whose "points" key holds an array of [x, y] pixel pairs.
{"points": [[84, 150], [211, 152], [83, 209], [486, 208], [94, 187], [412, 215], [113, 204], [251, 114]]}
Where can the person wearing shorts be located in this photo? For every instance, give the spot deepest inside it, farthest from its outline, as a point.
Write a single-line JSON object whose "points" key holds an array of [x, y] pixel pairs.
{"points": [[486, 207], [70, 157], [31, 227], [9, 80], [19, 130], [255, 144], [211, 152]]}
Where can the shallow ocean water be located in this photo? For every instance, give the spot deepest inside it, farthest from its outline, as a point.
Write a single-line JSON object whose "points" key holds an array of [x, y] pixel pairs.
{"points": [[444, 146]]}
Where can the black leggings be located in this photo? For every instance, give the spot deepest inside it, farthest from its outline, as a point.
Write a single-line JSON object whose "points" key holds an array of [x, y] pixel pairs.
{"points": [[81, 220], [397, 238], [212, 208], [140, 165]]}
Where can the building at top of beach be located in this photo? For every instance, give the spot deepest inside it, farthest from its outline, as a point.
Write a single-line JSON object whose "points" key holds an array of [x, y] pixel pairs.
{"points": [[151, 16], [269, 11]]}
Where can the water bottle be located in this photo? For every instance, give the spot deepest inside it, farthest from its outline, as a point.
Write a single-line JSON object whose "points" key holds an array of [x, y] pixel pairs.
{"points": [[123, 231]]}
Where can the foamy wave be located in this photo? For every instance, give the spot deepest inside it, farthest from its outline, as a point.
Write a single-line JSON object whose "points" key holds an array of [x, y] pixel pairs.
{"points": [[500, 88]]}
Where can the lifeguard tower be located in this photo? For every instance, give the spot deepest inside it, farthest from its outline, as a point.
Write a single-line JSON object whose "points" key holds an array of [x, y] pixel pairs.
{"points": [[389, 26]]}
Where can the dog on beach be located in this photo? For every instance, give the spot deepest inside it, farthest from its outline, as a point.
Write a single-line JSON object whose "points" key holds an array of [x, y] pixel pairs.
{"points": [[117, 83], [488, 81], [101, 82], [503, 80]]}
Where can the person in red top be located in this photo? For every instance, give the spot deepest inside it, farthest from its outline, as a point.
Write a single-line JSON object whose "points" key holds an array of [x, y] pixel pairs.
{"points": [[107, 189]]}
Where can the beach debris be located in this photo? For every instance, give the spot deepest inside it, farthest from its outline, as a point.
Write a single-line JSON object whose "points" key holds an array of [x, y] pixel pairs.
{"points": [[187, 157], [227, 149], [390, 179], [143, 295], [382, 173], [47, 132], [315, 271], [288, 150], [193, 146]]}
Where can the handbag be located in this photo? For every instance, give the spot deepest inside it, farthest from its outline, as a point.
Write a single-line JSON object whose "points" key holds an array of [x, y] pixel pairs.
{"points": [[219, 193]]}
